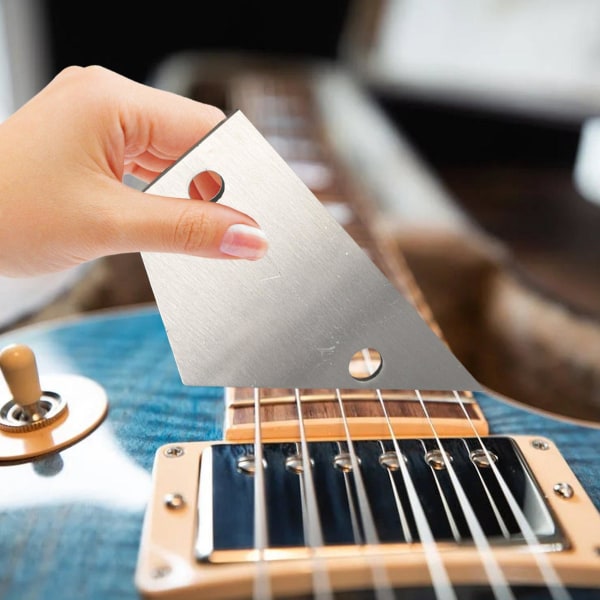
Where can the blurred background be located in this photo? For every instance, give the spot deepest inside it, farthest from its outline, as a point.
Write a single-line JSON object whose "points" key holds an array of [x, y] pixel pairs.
{"points": [[465, 133]]}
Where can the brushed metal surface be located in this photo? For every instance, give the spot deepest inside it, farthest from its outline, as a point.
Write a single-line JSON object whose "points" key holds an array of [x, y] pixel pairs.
{"points": [[294, 318]]}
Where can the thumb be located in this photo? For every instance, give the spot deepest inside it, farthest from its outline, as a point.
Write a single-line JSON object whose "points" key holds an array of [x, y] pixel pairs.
{"points": [[152, 223]]}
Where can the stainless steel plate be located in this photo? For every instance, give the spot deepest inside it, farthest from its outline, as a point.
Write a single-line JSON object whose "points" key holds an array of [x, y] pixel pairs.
{"points": [[296, 317]]}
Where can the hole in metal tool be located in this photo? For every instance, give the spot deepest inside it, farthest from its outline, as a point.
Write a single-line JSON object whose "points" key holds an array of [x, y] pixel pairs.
{"points": [[207, 185], [365, 364]]}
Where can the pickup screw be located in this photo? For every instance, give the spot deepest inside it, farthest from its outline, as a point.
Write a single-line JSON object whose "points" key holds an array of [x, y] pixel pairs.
{"points": [[540, 444], [389, 460], [159, 572], [482, 458], [295, 464], [343, 462], [174, 501], [564, 490], [436, 460], [247, 465], [174, 452]]}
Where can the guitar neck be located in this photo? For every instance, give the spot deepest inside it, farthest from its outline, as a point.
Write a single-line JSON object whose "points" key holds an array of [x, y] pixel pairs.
{"points": [[283, 108]]}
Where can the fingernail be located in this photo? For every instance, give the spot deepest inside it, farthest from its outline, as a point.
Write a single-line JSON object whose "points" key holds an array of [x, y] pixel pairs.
{"points": [[244, 241]]}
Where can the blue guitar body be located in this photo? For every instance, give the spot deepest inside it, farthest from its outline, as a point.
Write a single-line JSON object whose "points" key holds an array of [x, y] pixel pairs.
{"points": [[70, 524]]}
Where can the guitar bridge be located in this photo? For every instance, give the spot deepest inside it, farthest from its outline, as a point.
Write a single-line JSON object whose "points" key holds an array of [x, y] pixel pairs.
{"points": [[200, 531]]}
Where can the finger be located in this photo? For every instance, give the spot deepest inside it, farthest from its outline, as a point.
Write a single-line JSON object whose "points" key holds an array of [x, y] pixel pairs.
{"points": [[162, 123], [134, 120], [144, 222], [141, 173], [148, 162]]}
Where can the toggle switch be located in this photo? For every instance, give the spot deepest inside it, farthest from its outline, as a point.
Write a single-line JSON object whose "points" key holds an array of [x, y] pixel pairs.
{"points": [[29, 408], [39, 416]]}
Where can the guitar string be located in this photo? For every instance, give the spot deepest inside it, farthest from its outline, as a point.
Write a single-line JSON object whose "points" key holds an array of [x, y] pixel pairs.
{"points": [[262, 584], [551, 578], [354, 466], [311, 520], [439, 576], [406, 532], [495, 576], [442, 585], [383, 589], [447, 511], [490, 497], [440, 580], [358, 539], [304, 508], [321, 584]]}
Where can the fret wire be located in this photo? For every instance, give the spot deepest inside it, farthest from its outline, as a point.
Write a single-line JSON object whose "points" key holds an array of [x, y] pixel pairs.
{"points": [[262, 585], [321, 583], [490, 497], [496, 578], [383, 589], [401, 512], [552, 580], [324, 397], [449, 516], [439, 575]]}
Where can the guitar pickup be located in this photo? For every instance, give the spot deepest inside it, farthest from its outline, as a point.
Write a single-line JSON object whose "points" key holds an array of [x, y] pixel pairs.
{"points": [[226, 497], [199, 532]]}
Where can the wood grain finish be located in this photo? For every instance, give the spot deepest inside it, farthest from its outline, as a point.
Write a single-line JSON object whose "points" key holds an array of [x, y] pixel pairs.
{"points": [[365, 416]]}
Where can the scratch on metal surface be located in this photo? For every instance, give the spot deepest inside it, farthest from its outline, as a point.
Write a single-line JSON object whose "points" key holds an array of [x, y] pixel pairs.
{"points": [[326, 351]]}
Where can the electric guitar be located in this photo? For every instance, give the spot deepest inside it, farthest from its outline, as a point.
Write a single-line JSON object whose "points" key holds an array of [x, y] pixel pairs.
{"points": [[139, 486]]}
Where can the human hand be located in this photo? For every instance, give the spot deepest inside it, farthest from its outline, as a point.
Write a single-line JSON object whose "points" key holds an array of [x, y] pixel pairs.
{"points": [[64, 155]]}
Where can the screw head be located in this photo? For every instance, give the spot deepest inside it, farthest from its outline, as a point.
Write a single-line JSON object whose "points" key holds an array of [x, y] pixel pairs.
{"points": [[343, 462], [174, 501], [564, 490], [389, 460], [174, 452], [539, 444], [159, 572], [247, 465], [483, 458], [437, 460]]}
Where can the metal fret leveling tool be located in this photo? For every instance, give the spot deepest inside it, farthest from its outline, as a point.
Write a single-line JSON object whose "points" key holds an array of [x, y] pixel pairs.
{"points": [[295, 318]]}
